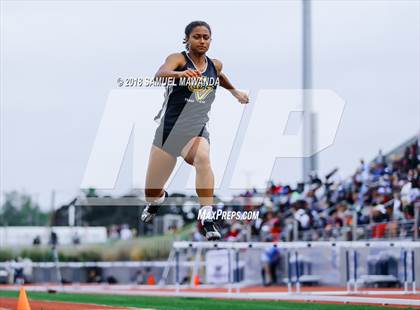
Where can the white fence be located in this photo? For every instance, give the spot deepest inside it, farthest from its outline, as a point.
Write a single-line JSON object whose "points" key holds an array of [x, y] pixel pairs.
{"points": [[25, 235]]}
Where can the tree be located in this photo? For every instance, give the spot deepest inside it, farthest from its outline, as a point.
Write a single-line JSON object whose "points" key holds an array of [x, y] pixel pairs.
{"points": [[20, 210]]}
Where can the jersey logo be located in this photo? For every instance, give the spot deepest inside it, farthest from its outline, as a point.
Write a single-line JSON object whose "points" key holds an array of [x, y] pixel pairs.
{"points": [[200, 92]]}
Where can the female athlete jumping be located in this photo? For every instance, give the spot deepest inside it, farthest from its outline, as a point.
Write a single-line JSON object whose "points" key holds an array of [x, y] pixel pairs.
{"points": [[182, 129]]}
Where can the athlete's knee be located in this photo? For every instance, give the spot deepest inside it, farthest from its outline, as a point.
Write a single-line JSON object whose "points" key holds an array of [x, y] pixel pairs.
{"points": [[201, 160]]}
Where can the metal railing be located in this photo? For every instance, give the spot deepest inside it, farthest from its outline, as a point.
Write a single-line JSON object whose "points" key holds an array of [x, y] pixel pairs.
{"points": [[393, 230]]}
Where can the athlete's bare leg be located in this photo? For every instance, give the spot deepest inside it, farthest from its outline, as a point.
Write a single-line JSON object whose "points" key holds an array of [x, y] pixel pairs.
{"points": [[197, 153], [161, 165]]}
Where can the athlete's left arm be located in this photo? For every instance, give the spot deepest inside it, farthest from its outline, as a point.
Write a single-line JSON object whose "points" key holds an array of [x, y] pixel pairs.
{"points": [[225, 83]]}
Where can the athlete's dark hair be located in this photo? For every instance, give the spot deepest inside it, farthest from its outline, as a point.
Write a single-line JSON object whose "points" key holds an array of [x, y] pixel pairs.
{"points": [[190, 28]]}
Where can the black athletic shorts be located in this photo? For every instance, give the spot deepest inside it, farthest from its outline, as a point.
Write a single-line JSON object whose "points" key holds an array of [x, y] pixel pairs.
{"points": [[174, 142]]}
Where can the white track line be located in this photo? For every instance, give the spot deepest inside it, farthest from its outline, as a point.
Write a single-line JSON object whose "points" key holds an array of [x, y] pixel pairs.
{"points": [[330, 296]]}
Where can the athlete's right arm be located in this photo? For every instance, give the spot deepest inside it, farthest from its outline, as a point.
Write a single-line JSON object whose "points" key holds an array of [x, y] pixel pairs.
{"points": [[172, 62]]}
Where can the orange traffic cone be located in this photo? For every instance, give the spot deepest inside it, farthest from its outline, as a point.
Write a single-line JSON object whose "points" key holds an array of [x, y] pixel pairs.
{"points": [[197, 280], [151, 279], [23, 303]]}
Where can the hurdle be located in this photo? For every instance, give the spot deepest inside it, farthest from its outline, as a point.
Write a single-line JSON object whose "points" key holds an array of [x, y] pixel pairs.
{"points": [[297, 273], [348, 284], [289, 274], [355, 271], [350, 260], [238, 288], [353, 282], [413, 271], [405, 272], [177, 270]]}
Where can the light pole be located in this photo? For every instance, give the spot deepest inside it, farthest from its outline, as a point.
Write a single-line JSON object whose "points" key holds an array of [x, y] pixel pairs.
{"points": [[309, 121]]}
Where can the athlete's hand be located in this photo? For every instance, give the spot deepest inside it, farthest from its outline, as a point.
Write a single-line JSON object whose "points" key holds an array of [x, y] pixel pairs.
{"points": [[241, 96], [189, 73]]}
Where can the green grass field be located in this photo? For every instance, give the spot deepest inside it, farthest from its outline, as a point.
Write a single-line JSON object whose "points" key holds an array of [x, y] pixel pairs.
{"points": [[182, 303]]}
